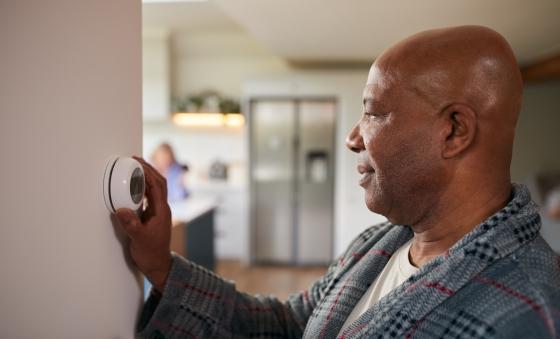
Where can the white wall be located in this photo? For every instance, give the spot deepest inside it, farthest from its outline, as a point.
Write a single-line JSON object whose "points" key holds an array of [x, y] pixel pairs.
{"points": [[218, 60], [70, 96], [156, 92]]}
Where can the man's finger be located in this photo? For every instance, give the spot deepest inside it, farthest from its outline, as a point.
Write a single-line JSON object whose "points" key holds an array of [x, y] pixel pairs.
{"points": [[150, 168], [160, 179], [156, 190], [129, 221]]}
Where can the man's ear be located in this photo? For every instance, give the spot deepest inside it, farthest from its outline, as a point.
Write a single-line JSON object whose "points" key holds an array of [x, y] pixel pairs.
{"points": [[460, 123]]}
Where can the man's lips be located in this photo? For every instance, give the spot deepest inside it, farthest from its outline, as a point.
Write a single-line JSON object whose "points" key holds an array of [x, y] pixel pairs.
{"points": [[363, 168], [366, 171]]}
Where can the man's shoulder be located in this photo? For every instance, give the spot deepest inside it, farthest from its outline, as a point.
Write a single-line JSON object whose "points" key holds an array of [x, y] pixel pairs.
{"points": [[515, 296], [534, 270], [528, 277], [540, 266]]}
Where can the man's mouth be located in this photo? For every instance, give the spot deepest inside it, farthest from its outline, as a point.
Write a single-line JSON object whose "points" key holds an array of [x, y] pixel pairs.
{"points": [[366, 171], [363, 168]]}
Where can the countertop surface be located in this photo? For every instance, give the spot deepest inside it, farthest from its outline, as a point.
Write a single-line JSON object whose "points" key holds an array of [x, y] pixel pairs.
{"points": [[189, 209]]}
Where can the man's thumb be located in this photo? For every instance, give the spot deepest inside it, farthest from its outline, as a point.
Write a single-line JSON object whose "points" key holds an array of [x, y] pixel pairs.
{"points": [[128, 220]]}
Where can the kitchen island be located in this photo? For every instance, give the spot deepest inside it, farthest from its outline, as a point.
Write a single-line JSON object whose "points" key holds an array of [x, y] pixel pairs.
{"points": [[192, 234]]}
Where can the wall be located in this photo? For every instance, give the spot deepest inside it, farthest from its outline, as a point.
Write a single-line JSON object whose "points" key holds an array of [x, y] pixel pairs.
{"points": [[70, 97], [220, 60], [155, 75], [537, 139]]}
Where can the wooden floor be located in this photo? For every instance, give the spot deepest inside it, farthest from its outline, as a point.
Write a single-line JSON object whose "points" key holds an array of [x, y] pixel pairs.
{"points": [[280, 281]]}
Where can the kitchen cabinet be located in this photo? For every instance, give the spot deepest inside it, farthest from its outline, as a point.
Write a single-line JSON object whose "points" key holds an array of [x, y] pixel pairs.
{"points": [[231, 217], [193, 230]]}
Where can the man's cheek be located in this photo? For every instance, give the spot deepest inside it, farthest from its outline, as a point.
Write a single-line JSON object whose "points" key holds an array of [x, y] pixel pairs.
{"points": [[376, 148]]}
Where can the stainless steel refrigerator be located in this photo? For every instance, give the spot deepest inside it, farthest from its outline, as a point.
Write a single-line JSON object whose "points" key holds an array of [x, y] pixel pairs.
{"points": [[292, 179]]}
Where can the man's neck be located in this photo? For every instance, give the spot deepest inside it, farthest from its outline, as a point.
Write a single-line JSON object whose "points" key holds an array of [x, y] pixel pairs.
{"points": [[442, 228]]}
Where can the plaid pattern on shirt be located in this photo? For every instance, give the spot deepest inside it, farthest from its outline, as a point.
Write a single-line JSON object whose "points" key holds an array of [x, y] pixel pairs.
{"points": [[499, 281]]}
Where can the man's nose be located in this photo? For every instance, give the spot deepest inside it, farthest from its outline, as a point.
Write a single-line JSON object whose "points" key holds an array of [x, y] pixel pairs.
{"points": [[354, 140]]}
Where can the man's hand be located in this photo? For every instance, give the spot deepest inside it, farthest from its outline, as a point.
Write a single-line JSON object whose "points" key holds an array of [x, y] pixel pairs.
{"points": [[150, 237]]}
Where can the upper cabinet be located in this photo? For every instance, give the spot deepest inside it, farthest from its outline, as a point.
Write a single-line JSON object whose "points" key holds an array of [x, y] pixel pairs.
{"points": [[155, 75]]}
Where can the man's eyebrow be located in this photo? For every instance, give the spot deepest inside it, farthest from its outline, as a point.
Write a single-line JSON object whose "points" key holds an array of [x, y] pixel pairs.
{"points": [[372, 101]]}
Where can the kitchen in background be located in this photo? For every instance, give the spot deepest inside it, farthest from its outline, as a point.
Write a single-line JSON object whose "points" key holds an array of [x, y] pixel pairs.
{"points": [[191, 65], [199, 57]]}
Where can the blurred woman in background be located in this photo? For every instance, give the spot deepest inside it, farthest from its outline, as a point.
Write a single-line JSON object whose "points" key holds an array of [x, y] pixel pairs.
{"points": [[163, 159]]}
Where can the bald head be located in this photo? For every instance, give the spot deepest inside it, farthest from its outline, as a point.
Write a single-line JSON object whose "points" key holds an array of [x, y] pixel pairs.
{"points": [[440, 109], [470, 64]]}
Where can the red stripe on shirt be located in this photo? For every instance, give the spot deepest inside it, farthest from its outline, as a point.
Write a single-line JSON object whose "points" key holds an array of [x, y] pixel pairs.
{"points": [[518, 295], [322, 335]]}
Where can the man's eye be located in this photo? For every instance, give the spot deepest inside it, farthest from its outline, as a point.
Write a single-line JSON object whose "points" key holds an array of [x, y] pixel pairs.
{"points": [[375, 115]]}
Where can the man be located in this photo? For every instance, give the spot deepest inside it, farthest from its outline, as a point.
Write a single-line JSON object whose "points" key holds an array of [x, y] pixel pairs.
{"points": [[434, 146]]}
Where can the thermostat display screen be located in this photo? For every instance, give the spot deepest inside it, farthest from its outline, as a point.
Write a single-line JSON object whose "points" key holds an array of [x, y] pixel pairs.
{"points": [[137, 185]]}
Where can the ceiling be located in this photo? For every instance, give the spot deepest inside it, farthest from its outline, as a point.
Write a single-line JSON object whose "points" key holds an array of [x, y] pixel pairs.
{"points": [[185, 17], [359, 30]]}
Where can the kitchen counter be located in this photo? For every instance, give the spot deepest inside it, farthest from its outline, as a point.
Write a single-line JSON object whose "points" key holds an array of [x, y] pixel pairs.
{"points": [[185, 211], [193, 231]]}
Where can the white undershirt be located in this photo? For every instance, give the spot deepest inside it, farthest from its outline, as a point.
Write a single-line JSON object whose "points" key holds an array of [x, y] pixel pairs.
{"points": [[397, 270]]}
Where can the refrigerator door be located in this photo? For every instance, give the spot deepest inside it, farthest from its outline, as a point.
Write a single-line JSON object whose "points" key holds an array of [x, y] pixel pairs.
{"points": [[272, 167], [315, 162]]}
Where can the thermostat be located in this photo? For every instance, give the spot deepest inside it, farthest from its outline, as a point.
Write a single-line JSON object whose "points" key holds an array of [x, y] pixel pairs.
{"points": [[123, 184]]}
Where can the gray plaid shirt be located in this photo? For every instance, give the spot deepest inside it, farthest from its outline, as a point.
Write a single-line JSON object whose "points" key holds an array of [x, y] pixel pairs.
{"points": [[501, 280]]}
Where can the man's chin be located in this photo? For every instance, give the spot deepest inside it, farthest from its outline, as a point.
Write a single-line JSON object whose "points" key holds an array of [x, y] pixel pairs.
{"points": [[378, 207], [373, 205]]}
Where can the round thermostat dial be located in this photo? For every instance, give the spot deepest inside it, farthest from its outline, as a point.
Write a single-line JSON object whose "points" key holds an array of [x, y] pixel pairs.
{"points": [[123, 184]]}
